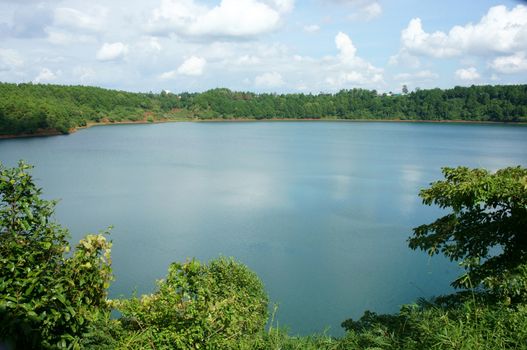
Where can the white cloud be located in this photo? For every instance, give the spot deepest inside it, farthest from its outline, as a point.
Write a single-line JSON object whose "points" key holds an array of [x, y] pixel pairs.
{"points": [[269, 80], [420, 76], [404, 58], [345, 46], [515, 63], [367, 11], [248, 60], [247, 56], [499, 31], [154, 44], [417, 41], [28, 24], [149, 47], [311, 28], [112, 51], [45, 75], [10, 59], [470, 73], [372, 11], [347, 68], [66, 38], [229, 19], [76, 19], [222, 33], [364, 10], [301, 87], [192, 66], [282, 6], [168, 75], [60, 38], [84, 73]]}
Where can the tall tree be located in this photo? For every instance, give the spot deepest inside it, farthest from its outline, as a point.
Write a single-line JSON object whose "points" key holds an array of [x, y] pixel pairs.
{"points": [[485, 230]]}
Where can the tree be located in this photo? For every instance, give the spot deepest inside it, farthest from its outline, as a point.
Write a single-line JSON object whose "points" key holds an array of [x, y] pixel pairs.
{"points": [[198, 306], [47, 300], [405, 89], [486, 229]]}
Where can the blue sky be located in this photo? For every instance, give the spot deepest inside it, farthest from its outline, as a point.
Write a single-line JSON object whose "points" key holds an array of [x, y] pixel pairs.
{"points": [[264, 45]]}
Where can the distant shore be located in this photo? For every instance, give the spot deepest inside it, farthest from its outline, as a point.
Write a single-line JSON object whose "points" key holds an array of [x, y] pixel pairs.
{"points": [[53, 132]]}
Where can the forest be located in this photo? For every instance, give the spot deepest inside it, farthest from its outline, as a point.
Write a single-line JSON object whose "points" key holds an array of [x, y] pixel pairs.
{"points": [[40, 108]]}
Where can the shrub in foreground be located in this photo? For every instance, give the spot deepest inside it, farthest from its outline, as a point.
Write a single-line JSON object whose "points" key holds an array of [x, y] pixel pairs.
{"points": [[469, 325], [209, 306], [47, 300]]}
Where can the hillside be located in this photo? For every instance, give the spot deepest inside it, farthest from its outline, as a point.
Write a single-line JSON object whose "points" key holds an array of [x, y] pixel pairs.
{"points": [[38, 108]]}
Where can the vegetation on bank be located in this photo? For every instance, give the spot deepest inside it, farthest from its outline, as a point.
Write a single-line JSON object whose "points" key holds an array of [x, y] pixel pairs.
{"points": [[53, 298], [33, 108]]}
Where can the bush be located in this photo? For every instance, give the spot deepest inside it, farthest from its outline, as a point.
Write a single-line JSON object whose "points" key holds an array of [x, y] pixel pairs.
{"points": [[47, 300], [214, 306], [468, 325]]}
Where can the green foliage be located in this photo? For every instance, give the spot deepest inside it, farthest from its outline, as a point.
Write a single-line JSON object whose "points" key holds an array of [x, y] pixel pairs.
{"points": [[485, 229], [46, 298], [466, 326], [279, 339], [214, 306], [30, 108]]}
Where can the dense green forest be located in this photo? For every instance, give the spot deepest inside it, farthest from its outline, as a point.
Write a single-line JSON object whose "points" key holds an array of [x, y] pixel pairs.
{"points": [[54, 298], [31, 108]]}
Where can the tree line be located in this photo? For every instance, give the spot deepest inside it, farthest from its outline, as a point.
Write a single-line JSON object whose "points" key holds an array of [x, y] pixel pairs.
{"points": [[30, 108]]}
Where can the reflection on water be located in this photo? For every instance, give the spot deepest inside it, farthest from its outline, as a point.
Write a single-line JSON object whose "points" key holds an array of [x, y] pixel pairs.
{"points": [[411, 177], [321, 211]]}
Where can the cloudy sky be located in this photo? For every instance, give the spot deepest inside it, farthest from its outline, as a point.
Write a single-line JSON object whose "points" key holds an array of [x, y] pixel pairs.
{"points": [[264, 45]]}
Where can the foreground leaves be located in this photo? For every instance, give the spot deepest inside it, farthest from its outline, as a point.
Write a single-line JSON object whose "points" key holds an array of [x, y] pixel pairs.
{"points": [[486, 229], [47, 300], [197, 306]]}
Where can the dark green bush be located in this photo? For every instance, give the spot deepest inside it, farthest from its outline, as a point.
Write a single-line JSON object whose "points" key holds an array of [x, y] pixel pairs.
{"points": [[47, 300], [468, 325], [214, 306]]}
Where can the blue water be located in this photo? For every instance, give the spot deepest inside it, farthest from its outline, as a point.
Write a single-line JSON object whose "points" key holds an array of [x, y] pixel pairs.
{"points": [[320, 210]]}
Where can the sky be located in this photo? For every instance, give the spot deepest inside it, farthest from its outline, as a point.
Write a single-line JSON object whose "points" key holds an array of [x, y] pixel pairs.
{"points": [[283, 46]]}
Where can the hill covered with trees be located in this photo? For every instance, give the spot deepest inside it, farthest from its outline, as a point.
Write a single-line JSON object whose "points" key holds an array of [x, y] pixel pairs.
{"points": [[38, 108]]}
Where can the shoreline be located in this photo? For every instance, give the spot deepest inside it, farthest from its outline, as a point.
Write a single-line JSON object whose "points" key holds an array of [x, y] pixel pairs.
{"points": [[52, 132]]}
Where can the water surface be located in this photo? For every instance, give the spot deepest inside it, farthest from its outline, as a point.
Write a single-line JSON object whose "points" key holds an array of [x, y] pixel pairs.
{"points": [[320, 210]]}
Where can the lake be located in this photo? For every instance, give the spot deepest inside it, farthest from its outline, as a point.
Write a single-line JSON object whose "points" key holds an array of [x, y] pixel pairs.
{"points": [[321, 211]]}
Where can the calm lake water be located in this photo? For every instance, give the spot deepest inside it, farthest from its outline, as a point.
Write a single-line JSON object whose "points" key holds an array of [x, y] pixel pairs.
{"points": [[320, 210]]}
